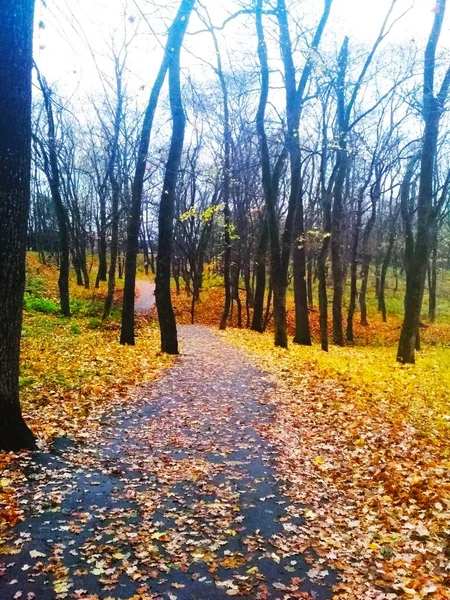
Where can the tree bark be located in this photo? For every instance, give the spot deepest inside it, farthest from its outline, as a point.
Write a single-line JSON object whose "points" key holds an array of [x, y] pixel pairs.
{"points": [[365, 264], [384, 270], [354, 270], [295, 217], [175, 38], [102, 272], [433, 107], [16, 32], [260, 289], [338, 200], [52, 172], [166, 315], [302, 329], [432, 278]]}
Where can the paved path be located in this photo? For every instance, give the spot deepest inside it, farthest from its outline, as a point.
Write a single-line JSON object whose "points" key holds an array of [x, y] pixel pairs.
{"points": [[145, 299], [178, 500]]}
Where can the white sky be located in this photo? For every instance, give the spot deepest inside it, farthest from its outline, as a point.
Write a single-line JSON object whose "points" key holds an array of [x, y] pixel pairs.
{"points": [[62, 53]]}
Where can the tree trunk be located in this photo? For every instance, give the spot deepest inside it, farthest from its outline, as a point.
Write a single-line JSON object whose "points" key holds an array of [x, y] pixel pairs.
{"points": [[384, 270], [174, 41], [16, 32], [365, 266], [432, 279], [426, 214], [53, 175], [336, 248], [309, 279], [302, 330], [354, 270], [323, 295], [260, 289], [102, 246], [226, 187], [114, 247], [166, 315]]}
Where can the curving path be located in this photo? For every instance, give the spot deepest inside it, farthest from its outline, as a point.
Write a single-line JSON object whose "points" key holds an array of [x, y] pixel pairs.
{"points": [[177, 500], [145, 298]]}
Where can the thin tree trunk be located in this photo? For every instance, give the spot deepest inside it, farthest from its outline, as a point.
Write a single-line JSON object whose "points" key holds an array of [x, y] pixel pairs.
{"points": [[309, 279], [354, 270], [365, 266], [302, 329], [166, 315], [102, 246], [175, 38], [384, 270], [258, 310], [338, 200], [54, 180], [432, 279], [114, 247]]}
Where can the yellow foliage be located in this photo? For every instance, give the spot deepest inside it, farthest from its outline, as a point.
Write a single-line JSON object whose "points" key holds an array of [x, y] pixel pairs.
{"points": [[364, 446], [418, 394], [72, 369]]}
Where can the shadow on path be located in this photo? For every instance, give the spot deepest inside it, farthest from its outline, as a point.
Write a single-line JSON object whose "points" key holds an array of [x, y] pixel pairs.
{"points": [[177, 500]]}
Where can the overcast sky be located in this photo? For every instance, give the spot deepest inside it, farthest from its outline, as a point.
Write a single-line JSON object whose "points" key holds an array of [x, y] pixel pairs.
{"points": [[67, 28]]}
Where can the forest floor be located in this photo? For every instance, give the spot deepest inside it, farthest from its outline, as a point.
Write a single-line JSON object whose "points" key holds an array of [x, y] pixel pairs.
{"points": [[145, 297], [177, 497], [237, 469]]}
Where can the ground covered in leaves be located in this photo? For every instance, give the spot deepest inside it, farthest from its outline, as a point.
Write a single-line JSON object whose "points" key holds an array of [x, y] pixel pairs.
{"points": [[325, 475], [175, 498], [365, 450]]}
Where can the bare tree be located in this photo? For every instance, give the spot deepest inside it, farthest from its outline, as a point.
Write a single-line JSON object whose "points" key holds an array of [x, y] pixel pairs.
{"points": [[167, 324], [49, 154], [418, 248], [174, 40]]}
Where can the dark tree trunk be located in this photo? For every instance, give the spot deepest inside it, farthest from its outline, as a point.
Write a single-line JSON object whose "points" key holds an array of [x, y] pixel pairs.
{"points": [[280, 250], [235, 274], [16, 17], [102, 246], [226, 188], [323, 295], [53, 175], [432, 279], [384, 270], [166, 315], [260, 289], [375, 194], [270, 193], [365, 266], [114, 247], [77, 268], [302, 330], [115, 190], [174, 41], [338, 200], [336, 249], [120, 262], [267, 316], [152, 257], [354, 270], [433, 107], [377, 276], [226, 267], [309, 279], [324, 250], [249, 300]]}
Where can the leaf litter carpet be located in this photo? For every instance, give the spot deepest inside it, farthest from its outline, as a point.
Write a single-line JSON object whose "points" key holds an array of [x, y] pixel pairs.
{"points": [[177, 499]]}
